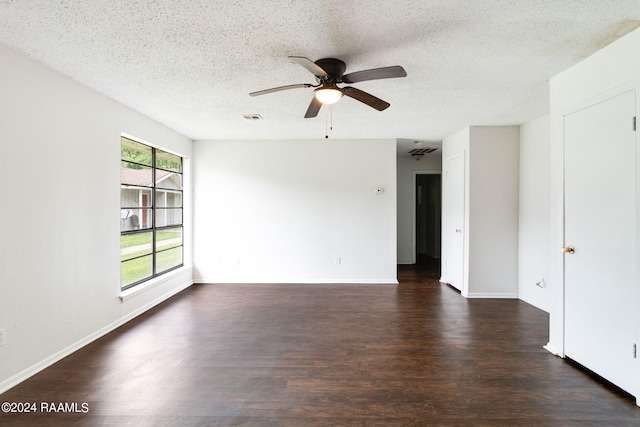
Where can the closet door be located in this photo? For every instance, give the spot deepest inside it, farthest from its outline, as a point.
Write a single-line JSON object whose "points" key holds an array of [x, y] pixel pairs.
{"points": [[453, 194], [600, 238]]}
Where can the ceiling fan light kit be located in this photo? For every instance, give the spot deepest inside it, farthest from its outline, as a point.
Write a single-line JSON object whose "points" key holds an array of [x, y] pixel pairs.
{"points": [[328, 73], [328, 95]]}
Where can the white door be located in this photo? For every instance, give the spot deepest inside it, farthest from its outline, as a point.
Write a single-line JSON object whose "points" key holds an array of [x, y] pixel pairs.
{"points": [[453, 221], [600, 216]]}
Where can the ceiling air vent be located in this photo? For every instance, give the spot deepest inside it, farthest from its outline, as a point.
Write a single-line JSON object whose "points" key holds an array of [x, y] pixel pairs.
{"points": [[421, 151], [252, 117], [418, 153]]}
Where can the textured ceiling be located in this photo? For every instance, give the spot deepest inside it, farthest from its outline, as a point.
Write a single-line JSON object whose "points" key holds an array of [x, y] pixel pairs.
{"points": [[191, 64]]}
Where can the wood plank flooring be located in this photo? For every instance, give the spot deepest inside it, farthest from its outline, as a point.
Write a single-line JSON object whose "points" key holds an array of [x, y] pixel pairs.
{"points": [[416, 354]]}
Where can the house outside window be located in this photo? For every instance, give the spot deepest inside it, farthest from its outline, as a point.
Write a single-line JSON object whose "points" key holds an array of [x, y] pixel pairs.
{"points": [[151, 212]]}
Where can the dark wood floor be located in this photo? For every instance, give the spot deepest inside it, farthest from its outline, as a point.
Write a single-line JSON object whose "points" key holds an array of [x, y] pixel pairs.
{"points": [[314, 355]]}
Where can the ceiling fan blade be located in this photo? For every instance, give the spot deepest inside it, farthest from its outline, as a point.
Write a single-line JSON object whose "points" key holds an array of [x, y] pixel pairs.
{"points": [[314, 108], [365, 98], [375, 74], [279, 88], [315, 69]]}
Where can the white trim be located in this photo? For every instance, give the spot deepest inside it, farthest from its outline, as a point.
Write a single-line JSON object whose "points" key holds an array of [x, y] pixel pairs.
{"points": [[203, 281], [152, 283], [491, 295], [551, 349], [55, 357]]}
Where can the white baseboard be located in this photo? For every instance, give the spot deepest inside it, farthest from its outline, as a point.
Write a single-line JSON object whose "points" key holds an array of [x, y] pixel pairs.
{"points": [[48, 361], [301, 282], [491, 295], [552, 349]]}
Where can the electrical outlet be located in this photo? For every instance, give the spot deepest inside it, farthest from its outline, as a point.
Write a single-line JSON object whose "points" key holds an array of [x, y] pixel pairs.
{"points": [[1, 337]]}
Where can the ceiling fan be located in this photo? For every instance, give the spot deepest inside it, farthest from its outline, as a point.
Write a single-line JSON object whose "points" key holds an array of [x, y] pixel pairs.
{"points": [[329, 72]]}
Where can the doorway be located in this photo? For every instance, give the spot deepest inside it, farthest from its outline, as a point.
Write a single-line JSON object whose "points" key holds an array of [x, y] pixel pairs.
{"points": [[428, 207]]}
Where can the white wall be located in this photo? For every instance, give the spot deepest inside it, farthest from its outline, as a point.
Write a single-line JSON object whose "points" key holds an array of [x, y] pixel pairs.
{"points": [[59, 222], [407, 169], [284, 211], [609, 71], [533, 248], [491, 209]]}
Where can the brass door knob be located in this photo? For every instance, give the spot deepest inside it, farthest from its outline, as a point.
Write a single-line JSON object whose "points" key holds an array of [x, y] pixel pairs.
{"points": [[568, 249]]}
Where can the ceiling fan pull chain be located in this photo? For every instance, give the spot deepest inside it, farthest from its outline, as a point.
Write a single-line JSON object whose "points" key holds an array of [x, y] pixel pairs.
{"points": [[330, 116], [328, 122]]}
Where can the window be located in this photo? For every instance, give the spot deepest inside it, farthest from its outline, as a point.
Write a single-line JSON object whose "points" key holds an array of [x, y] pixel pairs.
{"points": [[151, 233]]}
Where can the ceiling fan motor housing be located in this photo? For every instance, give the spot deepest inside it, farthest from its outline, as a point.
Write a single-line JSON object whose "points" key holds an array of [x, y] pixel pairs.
{"points": [[335, 68]]}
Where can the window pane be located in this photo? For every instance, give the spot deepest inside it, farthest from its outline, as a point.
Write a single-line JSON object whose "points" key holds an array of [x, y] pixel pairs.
{"points": [[136, 175], [135, 197], [168, 199], [135, 245], [168, 161], [169, 180], [135, 219], [135, 270], [168, 237], [168, 259], [135, 152], [168, 216]]}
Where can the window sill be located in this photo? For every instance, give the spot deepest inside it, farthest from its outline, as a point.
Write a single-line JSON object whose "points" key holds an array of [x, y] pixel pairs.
{"points": [[151, 283]]}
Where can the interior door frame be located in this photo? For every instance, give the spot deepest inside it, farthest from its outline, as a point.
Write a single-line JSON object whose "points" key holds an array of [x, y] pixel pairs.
{"points": [[557, 278]]}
